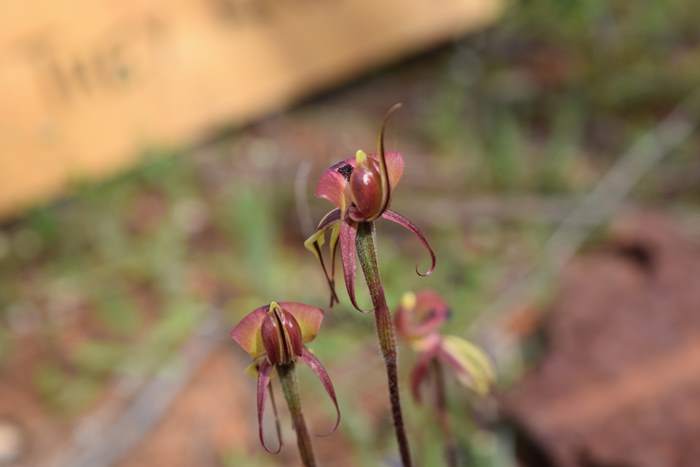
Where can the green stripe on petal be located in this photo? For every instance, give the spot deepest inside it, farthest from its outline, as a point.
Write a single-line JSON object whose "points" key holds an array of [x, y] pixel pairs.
{"points": [[473, 367]]}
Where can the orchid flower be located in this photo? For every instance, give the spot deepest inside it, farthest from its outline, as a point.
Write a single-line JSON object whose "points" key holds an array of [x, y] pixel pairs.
{"points": [[360, 188], [274, 336], [418, 321]]}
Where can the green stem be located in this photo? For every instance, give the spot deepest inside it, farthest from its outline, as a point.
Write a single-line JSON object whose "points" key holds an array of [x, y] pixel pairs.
{"points": [[290, 388], [451, 457], [367, 255]]}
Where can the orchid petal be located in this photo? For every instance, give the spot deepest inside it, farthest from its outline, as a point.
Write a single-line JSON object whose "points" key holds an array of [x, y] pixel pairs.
{"points": [[394, 165], [308, 317], [333, 246], [247, 332], [472, 366], [316, 241], [263, 383], [348, 250], [330, 218], [408, 225], [278, 428], [385, 180], [419, 374], [331, 185], [272, 340], [314, 363]]}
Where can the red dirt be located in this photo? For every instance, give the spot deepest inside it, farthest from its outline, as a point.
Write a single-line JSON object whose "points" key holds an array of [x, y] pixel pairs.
{"points": [[209, 418], [619, 383]]}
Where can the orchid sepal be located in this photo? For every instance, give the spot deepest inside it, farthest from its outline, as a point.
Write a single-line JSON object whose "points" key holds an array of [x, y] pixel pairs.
{"points": [[264, 371], [348, 254], [471, 365], [386, 185], [408, 225], [314, 243], [310, 359]]}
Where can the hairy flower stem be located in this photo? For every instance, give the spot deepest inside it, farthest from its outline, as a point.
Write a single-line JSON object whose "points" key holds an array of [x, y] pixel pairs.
{"points": [[367, 255], [290, 388], [451, 457]]}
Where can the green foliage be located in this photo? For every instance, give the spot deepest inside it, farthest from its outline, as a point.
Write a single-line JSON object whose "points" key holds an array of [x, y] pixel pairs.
{"points": [[63, 391], [99, 357]]}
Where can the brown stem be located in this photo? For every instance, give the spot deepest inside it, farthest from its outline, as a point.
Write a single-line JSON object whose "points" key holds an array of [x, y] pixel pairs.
{"points": [[290, 388], [451, 457], [367, 255]]}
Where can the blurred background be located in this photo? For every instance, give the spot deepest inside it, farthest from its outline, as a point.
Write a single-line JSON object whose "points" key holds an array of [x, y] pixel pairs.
{"points": [[552, 158]]}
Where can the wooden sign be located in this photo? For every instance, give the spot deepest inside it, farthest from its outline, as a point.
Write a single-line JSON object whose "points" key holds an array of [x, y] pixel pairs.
{"points": [[85, 85]]}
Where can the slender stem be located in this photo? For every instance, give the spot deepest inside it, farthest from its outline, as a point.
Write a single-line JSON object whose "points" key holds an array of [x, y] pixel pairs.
{"points": [[290, 388], [367, 255], [451, 457]]}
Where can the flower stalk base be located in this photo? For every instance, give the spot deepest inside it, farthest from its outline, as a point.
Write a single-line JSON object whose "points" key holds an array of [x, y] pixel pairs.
{"points": [[290, 387]]}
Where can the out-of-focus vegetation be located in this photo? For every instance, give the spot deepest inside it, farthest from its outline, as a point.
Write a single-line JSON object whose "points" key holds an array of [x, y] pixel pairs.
{"points": [[113, 278]]}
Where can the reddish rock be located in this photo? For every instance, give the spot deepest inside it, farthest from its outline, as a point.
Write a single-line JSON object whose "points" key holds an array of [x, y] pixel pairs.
{"points": [[619, 384]]}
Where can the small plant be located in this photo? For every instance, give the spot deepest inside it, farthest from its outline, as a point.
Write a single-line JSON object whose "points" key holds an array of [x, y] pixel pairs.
{"points": [[418, 321], [360, 189], [274, 336]]}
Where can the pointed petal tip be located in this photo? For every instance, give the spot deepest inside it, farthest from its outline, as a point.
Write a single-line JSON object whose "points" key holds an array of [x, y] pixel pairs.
{"points": [[263, 384], [418, 376], [334, 296], [394, 108], [317, 240], [381, 154], [410, 226], [317, 367]]}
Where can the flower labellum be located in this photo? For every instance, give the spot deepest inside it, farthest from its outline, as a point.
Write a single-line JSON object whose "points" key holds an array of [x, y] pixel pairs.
{"points": [[281, 336], [365, 188]]}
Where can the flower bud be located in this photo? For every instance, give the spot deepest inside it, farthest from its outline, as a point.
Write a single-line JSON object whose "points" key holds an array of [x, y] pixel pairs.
{"points": [[366, 187], [281, 336]]}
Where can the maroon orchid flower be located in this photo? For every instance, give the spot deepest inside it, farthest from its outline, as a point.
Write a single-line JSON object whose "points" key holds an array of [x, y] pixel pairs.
{"points": [[274, 336], [418, 321], [360, 188]]}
